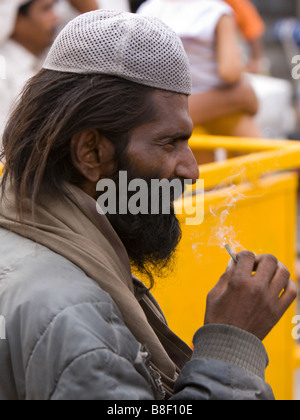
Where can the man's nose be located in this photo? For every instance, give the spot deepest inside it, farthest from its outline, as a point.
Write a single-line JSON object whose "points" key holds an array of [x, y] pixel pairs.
{"points": [[188, 168]]}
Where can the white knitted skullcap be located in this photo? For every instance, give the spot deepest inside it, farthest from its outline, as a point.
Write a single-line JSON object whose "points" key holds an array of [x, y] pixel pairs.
{"points": [[140, 49]]}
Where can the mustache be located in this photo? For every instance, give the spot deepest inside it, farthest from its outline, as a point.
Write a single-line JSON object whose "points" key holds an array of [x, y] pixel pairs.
{"points": [[165, 191]]}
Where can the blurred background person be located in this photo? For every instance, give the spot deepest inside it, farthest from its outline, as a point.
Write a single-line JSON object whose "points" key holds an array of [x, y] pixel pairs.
{"points": [[135, 4], [27, 30], [264, 56], [69, 9], [28, 34], [8, 13], [209, 35], [122, 5], [84, 6], [252, 28]]}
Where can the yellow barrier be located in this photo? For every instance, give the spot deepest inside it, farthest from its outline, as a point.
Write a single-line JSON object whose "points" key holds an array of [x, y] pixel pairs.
{"points": [[253, 202], [259, 213]]}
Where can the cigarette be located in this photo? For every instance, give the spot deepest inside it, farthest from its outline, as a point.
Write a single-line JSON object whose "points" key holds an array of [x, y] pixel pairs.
{"points": [[231, 252]]}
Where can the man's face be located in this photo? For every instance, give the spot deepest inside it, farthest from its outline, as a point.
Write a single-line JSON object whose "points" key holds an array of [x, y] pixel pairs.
{"points": [[157, 150], [36, 30], [161, 146]]}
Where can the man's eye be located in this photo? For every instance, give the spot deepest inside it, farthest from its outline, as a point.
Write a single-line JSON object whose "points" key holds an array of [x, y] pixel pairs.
{"points": [[171, 145]]}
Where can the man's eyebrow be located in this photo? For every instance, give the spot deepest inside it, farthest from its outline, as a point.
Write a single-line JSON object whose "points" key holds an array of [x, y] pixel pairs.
{"points": [[176, 136]]}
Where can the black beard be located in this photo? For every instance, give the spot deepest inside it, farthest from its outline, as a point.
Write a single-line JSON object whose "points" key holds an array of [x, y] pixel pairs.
{"points": [[151, 240]]}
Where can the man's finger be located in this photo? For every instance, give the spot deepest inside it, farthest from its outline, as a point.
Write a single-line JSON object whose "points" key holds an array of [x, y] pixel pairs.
{"points": [[243, 269], [280, 281], [266, 267], [224, 280], [288, 297]]}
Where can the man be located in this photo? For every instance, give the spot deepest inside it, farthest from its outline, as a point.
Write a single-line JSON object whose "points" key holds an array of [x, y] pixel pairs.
{"points": [[30, 31], [113, 98]]}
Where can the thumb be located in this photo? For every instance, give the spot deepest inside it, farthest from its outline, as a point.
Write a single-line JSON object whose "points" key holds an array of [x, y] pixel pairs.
{"points": [[230, 264], [224, 280]]}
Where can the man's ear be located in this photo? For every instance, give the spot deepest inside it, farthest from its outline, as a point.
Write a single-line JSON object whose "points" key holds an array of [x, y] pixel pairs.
{"points": [[92, 154]]}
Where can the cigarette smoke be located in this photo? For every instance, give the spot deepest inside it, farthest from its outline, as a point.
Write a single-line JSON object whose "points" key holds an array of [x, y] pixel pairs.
{"points": [[224, 232]]}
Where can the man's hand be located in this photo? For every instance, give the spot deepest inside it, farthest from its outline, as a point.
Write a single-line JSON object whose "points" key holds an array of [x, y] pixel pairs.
{"points": [[252, 295]]}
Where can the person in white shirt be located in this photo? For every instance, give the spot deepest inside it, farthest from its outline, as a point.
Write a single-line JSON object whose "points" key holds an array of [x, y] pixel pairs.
{"points": [[209, 35]]}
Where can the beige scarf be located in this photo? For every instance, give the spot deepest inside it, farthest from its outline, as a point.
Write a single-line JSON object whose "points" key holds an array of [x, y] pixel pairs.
{"points": [[72, 228]]}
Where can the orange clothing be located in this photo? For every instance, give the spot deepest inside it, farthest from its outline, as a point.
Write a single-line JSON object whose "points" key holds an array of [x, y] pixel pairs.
{"points": [[248, 19]]}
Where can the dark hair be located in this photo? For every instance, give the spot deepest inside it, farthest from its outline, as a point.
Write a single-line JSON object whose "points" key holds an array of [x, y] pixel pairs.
{"points": [[53, 108], [25, 8], [135, 4]]}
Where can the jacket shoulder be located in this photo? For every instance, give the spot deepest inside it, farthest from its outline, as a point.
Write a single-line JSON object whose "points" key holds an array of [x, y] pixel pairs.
{"points": [[54, 313]]}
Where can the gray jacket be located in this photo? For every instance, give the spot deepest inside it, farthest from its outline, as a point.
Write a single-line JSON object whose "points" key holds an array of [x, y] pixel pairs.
{"points": [[65, 339]]}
